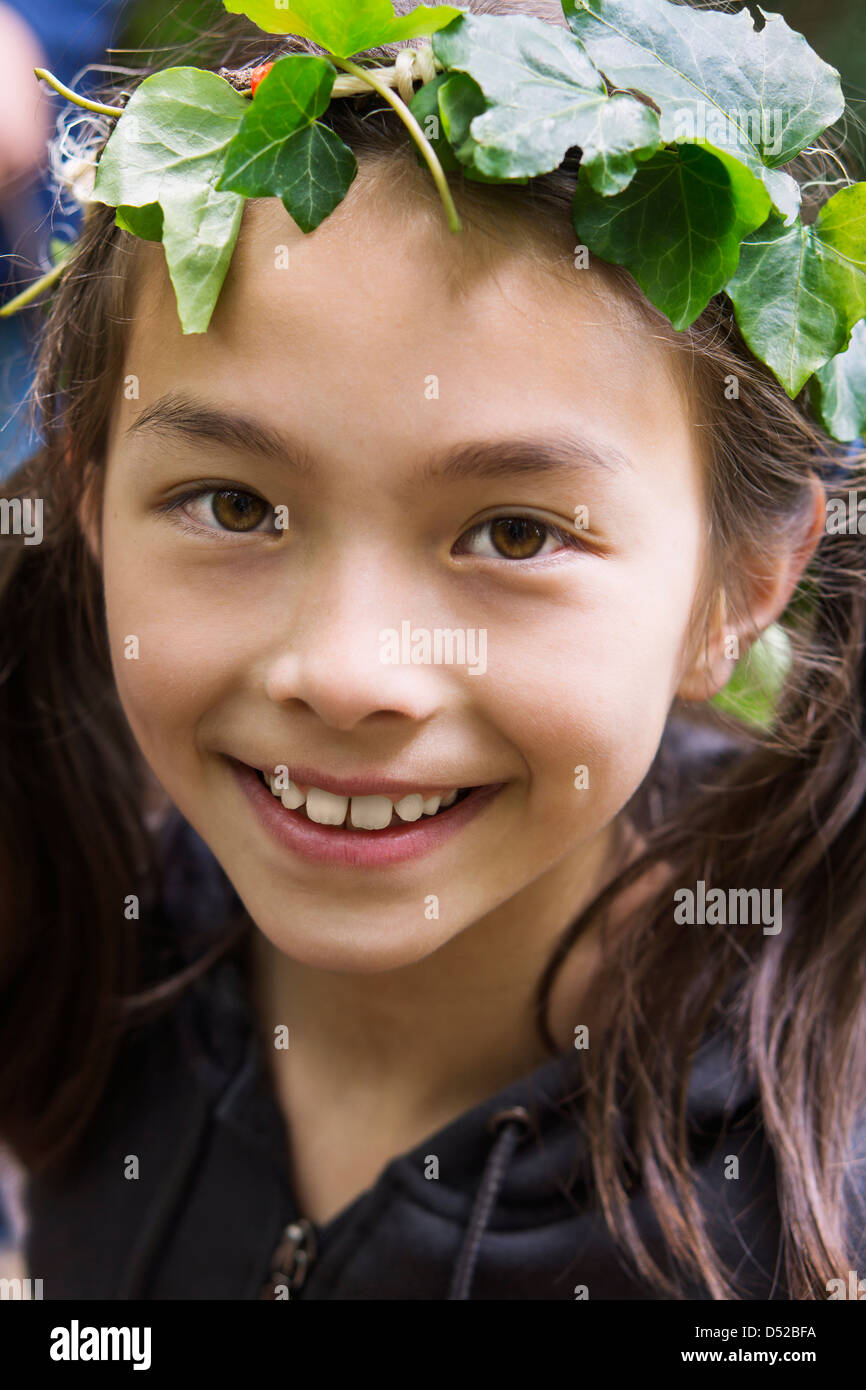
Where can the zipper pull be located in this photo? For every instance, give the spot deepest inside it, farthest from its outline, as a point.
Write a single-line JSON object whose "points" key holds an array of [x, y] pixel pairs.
{"points": [[291, 1260]]}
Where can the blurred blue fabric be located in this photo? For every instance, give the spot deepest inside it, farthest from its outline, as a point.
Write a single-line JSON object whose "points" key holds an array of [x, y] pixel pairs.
{"points": [[72, 33]]}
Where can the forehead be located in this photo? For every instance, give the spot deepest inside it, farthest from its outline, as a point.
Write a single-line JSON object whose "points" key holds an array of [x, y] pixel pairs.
{"points": [[382, 298]]}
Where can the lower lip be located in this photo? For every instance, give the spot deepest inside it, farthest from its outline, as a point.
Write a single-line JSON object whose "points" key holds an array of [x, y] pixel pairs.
{"points": [[356, 849]]}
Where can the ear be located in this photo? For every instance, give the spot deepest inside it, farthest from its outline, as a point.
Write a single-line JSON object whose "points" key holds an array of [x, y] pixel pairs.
{"points": [[89, 513], [772, 578]]}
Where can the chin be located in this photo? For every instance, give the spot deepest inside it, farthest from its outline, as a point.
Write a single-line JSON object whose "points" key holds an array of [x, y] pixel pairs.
{"points": [[356, 943]]}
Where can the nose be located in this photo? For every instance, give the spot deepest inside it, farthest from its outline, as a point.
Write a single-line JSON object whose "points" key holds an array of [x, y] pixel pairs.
{"points": [[334, 659]]}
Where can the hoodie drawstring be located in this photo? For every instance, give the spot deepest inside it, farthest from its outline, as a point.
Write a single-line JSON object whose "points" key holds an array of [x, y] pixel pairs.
{"points": [[512, 1124]]}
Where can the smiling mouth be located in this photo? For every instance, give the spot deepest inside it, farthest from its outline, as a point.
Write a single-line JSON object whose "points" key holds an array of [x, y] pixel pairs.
{"points": [[362, 813]]}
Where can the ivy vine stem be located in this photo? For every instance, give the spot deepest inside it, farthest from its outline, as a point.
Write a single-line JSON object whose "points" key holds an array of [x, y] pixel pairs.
{"points": [[406, 116], [64, 91], [33, 291]]}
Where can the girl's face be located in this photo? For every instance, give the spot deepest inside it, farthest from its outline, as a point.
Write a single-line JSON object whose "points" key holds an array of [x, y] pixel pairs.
{"points": [[401, 393]]}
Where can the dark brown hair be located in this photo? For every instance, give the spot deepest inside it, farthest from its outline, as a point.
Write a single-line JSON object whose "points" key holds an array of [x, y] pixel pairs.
{"points": [[785, 813]]}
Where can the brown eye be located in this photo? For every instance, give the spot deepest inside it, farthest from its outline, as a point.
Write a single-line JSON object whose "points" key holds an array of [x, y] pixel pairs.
{"points": [[238, 511], [518, 538]]}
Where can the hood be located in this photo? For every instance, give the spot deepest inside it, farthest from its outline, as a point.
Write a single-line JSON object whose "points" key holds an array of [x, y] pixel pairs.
{"points": [[498, 1202]]}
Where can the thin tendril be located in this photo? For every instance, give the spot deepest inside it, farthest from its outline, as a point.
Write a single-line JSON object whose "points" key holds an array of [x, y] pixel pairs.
{"points": [[415, 131], [64, 91]]}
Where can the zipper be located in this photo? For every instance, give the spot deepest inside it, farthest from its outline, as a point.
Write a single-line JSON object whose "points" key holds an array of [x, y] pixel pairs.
{"points": [[291, 1261]]}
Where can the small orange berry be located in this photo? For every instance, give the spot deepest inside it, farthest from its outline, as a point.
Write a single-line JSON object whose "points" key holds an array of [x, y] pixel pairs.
{"points": [[258, 75]]}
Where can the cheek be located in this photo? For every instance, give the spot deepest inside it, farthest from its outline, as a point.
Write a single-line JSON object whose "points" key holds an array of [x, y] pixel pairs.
{"points": [[168, 656], [589, 682]]}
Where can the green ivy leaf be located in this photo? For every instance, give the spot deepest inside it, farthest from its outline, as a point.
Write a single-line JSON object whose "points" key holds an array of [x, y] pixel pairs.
{"points": [[762, 94], [453, 100], [146, 222], [798, 291], [282, 151], [344, 29], [425, 108], [678, 225], [838, 390], [460, 101], [543, 96], [316, 169], [168, 148]]}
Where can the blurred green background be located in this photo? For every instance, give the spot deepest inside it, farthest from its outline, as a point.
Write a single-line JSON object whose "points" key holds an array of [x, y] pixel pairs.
{"points": [[836, 29]]}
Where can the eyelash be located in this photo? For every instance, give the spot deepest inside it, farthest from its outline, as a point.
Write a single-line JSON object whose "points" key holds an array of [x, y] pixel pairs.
{"points": [[567, 539], [174, 507]]}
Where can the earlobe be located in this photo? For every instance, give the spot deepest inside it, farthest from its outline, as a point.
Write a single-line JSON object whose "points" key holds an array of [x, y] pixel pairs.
{"points": [[707, 677], [774, 578], [714, 665]]}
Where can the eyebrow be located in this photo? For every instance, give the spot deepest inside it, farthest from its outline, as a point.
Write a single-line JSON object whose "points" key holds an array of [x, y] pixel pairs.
{"points": [[558, 451]]}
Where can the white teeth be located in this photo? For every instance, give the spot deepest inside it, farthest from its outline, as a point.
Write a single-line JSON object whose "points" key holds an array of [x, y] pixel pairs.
{"points": [[292, 797], [410, 807], [325, 808], [369, 812], [365, 812]]}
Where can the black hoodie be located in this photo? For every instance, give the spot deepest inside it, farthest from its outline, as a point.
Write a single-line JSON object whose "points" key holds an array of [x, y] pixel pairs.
{"points": [[510, 1214]]}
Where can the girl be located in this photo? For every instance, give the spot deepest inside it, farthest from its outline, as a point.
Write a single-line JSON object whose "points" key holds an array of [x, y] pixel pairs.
{"points": [[362, 789]]}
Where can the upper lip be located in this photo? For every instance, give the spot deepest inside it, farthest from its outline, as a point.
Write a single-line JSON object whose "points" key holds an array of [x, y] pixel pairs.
{"points": [[366, 784]]}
